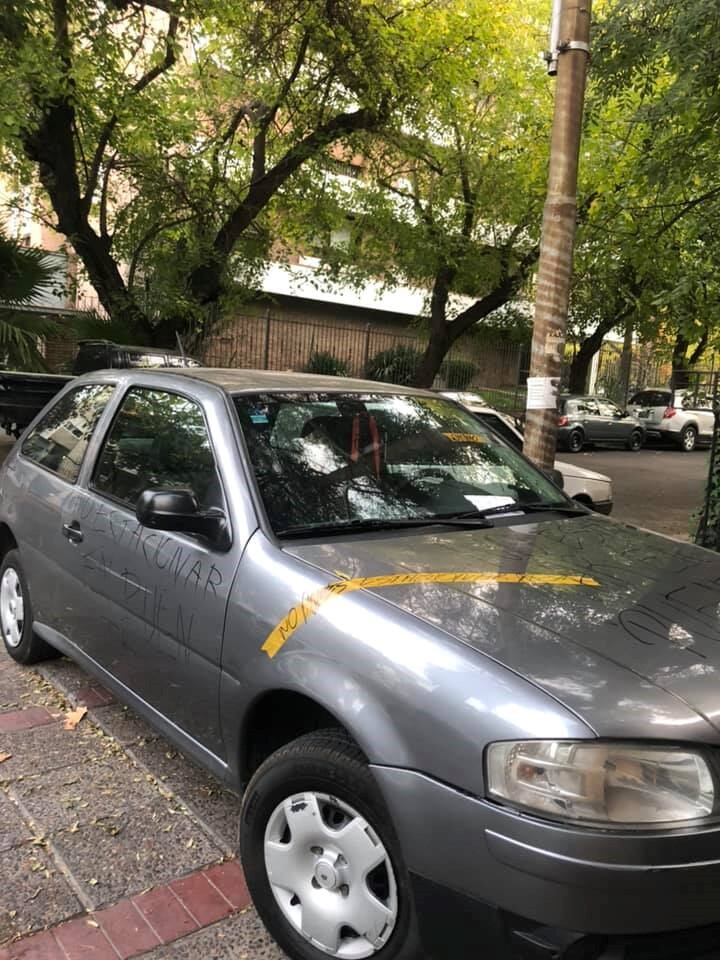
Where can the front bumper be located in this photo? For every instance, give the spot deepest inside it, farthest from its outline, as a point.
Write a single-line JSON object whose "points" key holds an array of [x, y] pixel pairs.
{"points": [[456, 927], [595, 886], [603, 506]]}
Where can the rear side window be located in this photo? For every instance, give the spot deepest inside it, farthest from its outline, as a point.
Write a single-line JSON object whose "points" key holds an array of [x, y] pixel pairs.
{"points": [[651, 398], [499, 426], [59, 441], [158, 440], [582, 406]]}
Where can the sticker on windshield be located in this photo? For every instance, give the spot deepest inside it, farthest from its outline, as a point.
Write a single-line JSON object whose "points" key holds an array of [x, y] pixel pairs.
{"points": [[465, 437], [299, 615], [487, 501]]}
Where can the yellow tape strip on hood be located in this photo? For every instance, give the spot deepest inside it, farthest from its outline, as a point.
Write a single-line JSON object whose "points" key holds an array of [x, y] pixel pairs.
{"points": [[310, 605]]}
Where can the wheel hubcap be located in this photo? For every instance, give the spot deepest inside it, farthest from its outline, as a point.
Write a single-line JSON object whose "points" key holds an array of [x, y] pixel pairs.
{"points": [[12, 608], [331, 875], [689, 441]]}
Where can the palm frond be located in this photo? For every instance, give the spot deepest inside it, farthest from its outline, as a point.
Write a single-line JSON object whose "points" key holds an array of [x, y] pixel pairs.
{"points": [[25, 273], [21, 336]]}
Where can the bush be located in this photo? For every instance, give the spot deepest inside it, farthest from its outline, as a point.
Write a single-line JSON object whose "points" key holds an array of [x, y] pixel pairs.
{"points": [[396, 365], [326, 364], [458, 373]]}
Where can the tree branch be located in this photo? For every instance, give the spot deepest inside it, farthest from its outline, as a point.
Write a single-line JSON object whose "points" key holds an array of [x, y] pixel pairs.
{"points": [[145, 240], [504, 290], [108, 129], [262, 190]]}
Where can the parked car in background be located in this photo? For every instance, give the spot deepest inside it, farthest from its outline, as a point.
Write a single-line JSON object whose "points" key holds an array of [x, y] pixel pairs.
{"points": [[678, 416], [585, 486], [23, 395], [583, 420], [471, 718]]}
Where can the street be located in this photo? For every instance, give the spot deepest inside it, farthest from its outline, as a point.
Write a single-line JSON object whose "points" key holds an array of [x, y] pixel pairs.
{"points": [[659, 489]]}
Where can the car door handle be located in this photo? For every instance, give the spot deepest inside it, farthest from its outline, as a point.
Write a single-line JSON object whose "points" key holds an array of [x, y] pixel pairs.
{"points": [[73, 532]]}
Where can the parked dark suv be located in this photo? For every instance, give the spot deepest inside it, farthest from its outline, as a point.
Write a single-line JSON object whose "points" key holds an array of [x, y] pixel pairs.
{"points": [[596, 420]]}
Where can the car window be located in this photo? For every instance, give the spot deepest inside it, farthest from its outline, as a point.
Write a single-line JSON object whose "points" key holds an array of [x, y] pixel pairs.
{"points": [[336, 459], [651, 398], [158, 440], [586, 406], [607, 408], [499, 426], [59, 441]]}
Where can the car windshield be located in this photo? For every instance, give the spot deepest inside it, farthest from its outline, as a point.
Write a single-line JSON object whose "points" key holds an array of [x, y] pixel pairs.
{"points": [[327, 460]]}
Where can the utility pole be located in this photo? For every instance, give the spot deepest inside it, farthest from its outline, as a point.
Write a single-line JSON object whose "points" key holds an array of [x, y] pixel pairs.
{"points": [[568, 59]]}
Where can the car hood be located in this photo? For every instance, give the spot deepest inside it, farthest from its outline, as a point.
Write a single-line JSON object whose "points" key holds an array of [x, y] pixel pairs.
{"points": [[580, 473], [636, 655]]}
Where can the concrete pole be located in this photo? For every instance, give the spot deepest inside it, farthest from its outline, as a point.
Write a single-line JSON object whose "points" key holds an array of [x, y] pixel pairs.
{"points": [[558, 232]]}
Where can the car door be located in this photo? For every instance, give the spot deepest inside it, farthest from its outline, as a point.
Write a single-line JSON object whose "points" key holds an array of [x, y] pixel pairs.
{"points": [[40, 483], [589, 415], [153, 602], [699, 408], [615, 427]]}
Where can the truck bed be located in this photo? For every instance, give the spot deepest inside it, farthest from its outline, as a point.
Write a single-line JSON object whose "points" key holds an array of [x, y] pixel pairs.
{"points": [[23, 395]]}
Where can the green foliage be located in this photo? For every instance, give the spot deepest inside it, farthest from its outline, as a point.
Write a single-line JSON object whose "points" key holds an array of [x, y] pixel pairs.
{"points": [[397, 365], [458, 373], [327, 364], [173, 137], [24, 276], [24, 273], [647, 248]]}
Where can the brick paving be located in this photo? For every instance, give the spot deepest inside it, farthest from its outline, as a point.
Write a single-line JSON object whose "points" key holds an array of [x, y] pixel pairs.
{"points": [[112, 844]]}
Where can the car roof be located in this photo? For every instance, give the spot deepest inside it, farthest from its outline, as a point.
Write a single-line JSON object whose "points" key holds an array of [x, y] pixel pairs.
{"points": [[252, 381]]}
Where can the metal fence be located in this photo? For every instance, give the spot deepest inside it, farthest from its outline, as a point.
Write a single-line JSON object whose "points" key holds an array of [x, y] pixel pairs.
{"points": [[485, 361], [646, 370]]}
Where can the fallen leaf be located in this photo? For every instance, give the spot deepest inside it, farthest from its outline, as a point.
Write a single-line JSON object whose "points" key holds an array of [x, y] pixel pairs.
{"points": [[73, 718], [4, 757]]}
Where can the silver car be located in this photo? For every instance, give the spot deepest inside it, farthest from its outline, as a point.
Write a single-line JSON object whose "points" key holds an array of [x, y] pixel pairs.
{"points": [[469, 717], [679, 416]]}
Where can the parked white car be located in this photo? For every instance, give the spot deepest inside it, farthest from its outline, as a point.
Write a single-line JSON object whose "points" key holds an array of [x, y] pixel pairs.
{"points": [[678, 416], [585, 486]]}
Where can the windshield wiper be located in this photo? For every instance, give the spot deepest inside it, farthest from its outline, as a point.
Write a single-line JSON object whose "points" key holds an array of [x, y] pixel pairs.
{"points": [[540, 507], [473, 519]]}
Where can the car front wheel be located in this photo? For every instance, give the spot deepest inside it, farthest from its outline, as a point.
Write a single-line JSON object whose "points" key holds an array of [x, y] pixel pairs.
{"points": [[321, 858], [16, 615], [688, 438]]}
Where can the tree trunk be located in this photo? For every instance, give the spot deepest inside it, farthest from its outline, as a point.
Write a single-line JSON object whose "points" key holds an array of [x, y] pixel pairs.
{"points": [[626, 362], [680, 376], [580, 366], [431, 361], [443, 334], [52, 147]]}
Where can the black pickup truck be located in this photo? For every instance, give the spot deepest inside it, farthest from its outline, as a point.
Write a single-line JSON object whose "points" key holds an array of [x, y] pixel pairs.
{"points": [[23, 395]]}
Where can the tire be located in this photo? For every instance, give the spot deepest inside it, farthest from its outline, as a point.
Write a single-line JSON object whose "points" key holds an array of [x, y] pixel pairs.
{"points": [[575, 441], [635, 441], [16, 615], [321, 785], [688, 438]]}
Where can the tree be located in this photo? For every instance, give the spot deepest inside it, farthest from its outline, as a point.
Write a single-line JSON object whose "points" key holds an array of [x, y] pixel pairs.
{"points": [[24, 276], [162, 131], [451, 201], [644, 253]]}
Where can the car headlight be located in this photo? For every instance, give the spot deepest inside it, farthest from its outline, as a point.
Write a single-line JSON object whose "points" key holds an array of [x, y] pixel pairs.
{"points": [[601, 783]]}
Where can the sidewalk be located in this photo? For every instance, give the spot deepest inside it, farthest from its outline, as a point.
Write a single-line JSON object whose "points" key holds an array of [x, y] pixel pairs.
{"points": [[112, 844]]}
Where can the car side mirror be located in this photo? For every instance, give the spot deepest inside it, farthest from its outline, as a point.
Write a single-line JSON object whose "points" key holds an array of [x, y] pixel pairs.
{"points": [[179, 511], [556, 477]]}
